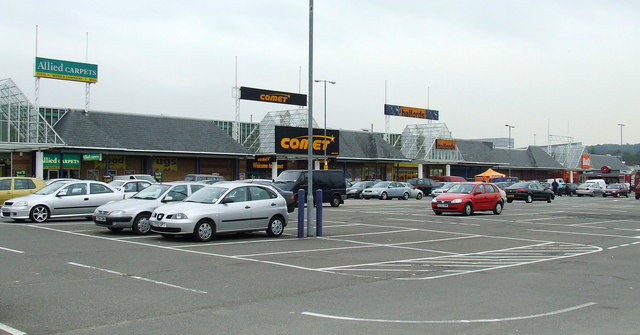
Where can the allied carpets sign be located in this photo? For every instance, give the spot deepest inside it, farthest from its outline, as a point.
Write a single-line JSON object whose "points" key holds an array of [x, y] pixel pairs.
{"points": [[292, 140], [446, 144], [66, 70], [69, 161], [256, 94], [418, 113]]}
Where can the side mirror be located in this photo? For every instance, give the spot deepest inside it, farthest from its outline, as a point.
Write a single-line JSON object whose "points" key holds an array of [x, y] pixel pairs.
{"points": [[167, 198], [227, 201], [61, 193]]}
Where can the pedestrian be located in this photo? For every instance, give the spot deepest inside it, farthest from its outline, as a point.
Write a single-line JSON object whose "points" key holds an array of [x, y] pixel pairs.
{"points": [[554, 186]]}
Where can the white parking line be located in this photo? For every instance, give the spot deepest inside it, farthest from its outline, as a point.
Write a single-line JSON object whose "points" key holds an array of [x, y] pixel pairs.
{"points": [[136, 277], [513, 318], [12, 250], [574, 233], [11, 330]]}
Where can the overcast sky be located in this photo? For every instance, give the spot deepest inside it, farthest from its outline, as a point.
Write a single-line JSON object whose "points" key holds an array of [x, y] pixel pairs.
{"points": [[571, 68]]}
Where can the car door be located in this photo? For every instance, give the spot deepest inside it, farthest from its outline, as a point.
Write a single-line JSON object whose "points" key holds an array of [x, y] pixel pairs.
{"points": [[479, 198], [264, 204], [235, 210], [99, 195], [72, 199]]}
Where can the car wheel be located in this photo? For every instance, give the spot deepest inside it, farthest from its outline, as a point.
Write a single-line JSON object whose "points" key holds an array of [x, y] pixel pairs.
{"points": [[498, 209], [115, 230], [335, 201], [637, 196], [419, 196], [405, 196], [604, 195], [509, 201], [203, 231], [579, 195], [168, 236], [549, 199], [383, 196], [529, 199], [467, 209], [141, 224], [617, 195], [276, 226], [39, 214], [438, 212]]}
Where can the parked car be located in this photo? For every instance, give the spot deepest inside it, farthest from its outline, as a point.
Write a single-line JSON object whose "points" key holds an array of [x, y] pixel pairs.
{"points": [[72, 199], [570, 189], [12, 187], [590, 189], [528, 191], [387, 190], [423, 184], [444, 187], [450, 178], [204, 178], [468, 197], [414, 192], [135, 176], [292, 203], [355, 190], [601, 182], [504, 184], [616, 190], [59, 180], [223, 208], [134, 213], [130, 186], [331, 182]]}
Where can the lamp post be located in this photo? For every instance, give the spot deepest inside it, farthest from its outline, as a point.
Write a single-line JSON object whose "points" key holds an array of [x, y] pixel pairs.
{"points": [[325, 115], [509, 146], [621, 125]]}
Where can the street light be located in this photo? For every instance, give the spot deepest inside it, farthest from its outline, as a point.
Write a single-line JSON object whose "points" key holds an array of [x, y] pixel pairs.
{"points": [[621, 125], [509, 146], [325, 115]]}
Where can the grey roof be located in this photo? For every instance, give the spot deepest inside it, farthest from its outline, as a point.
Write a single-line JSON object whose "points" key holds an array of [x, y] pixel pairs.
{"points": [[356, 145], [484, 153], [613, 162], [145, 133]]}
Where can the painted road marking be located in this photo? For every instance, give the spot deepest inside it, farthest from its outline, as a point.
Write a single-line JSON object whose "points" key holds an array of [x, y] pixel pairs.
{"points": [[12, 250], [494, 320], [11, 330], [136, 277]]}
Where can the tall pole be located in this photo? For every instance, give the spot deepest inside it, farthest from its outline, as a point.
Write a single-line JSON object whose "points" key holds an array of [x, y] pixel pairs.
{"points": [[509, 146], [325, 116], [621, 125], [310, 225]]}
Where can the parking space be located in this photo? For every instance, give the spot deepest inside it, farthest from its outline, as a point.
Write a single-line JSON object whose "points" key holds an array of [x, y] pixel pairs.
{"points": [[400, 245]]}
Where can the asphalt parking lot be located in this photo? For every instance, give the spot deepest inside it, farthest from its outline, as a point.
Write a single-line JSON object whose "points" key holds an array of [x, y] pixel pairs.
{"points": [[381, 267]]}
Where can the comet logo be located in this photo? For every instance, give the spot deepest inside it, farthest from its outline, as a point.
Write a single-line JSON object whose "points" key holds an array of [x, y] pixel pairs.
{"points": [[320, 142], [282, 98]]}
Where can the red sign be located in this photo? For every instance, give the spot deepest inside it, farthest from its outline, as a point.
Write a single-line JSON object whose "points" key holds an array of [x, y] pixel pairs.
{"points": [[585, 161], [605, 169]]}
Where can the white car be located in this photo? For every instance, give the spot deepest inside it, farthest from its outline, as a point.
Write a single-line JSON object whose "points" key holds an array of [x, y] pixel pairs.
{"points": [[130, 186], [443, 189], [134, 212], [221, 208], [63, 199]]}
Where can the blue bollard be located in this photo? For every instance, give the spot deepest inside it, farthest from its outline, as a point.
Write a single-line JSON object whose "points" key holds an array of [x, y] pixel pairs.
{"points": [[300, 213], [318, 213]]}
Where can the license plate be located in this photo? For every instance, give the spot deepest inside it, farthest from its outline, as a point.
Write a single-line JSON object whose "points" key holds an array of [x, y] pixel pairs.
{"points": [[443, 205], [511, 195], [158, 224], [101, 218]]}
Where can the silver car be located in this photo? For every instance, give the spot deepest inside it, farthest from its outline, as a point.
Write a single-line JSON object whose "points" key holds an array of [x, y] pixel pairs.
{"points": [[134, 213], [221, 208], [130, 186], [387, 190], [414, 193], [62, 199]]}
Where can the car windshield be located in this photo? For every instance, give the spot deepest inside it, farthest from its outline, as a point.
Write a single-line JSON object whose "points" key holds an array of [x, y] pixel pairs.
{"points": [[383, 184], [614, 186], [461, 188], [360, 184], [207, 195], [585, 185], [287, 176], [51, 188], [152, 192], [519, 185], [116, 183]]}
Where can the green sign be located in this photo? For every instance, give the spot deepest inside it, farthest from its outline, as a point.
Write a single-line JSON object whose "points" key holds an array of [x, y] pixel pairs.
{"points": [[69, 161], [66, 70], [92, 157]]}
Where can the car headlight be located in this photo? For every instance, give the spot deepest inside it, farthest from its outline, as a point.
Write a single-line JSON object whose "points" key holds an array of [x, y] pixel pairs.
{"points": [[20, 204], [180, 216], [433, 201], [456, 201], [117, 212]]}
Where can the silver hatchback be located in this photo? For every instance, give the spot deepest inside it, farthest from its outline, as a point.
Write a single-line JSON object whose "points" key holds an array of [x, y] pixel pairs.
{"points": [[64, 199], [221, 208], [134, 213]]}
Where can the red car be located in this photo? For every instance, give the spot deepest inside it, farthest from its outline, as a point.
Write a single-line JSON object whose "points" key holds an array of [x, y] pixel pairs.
{"points": [[469, 197], [616, 190]]}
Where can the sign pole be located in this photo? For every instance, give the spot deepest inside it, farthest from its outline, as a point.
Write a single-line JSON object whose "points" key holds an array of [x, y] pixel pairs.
{"points": [[310, 226]]}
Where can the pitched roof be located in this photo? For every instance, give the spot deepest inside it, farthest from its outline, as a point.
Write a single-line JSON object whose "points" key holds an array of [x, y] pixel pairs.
{"points": [[484, 152], [356, 145], [613, 162], [145, 133]]}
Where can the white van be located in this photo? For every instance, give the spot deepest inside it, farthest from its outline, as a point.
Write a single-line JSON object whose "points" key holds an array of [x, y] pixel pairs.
{"points": [[599, 182]]}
